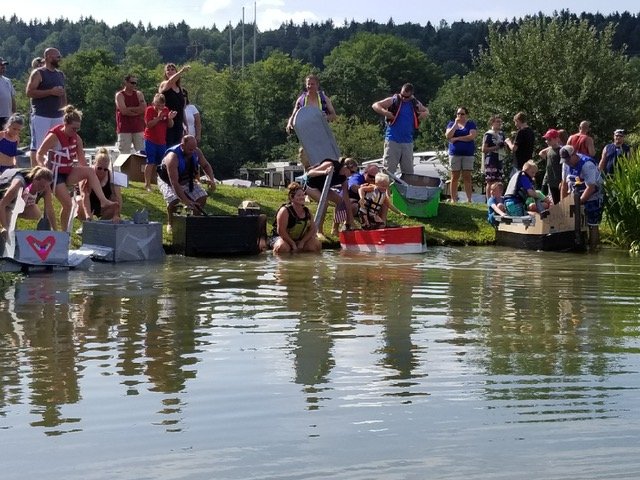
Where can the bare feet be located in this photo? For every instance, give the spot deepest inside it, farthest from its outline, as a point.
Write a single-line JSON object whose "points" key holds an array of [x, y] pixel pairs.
{"points": [[108, 203]]}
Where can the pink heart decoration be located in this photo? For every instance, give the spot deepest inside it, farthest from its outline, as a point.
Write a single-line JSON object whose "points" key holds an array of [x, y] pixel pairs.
{"points": [[42, 247]]}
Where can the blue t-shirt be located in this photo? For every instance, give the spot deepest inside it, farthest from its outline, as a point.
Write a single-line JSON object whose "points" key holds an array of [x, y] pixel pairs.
{"points": [[356, 180], [491, 214], [465, 148], [401, 131]]}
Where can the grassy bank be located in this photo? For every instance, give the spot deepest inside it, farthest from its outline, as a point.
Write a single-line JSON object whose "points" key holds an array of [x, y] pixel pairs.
{"points": [[455, 224], [459, 224]]}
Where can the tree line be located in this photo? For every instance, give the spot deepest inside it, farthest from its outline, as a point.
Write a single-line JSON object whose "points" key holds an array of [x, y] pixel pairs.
{"points": [[559, 69]]}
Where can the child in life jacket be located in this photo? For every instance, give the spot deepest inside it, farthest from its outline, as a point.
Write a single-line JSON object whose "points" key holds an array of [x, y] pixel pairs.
{"points": [[374, 203]]}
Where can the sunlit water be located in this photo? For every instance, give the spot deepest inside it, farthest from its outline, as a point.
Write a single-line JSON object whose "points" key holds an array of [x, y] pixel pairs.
{"points": [[475, 363]]}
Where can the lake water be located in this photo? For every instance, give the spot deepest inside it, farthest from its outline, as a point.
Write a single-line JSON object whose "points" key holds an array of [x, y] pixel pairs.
{"points": [[480, 363]]}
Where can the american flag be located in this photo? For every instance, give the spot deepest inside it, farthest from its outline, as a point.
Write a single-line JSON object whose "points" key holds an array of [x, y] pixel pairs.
{"points": [[340, 213]]}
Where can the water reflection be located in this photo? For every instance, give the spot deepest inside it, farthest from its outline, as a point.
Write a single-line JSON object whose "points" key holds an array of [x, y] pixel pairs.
{"points": [[259, 354]]}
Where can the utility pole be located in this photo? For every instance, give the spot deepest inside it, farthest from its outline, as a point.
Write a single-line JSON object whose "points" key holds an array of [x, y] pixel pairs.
{"points": [[242, 57], [230, 47]]}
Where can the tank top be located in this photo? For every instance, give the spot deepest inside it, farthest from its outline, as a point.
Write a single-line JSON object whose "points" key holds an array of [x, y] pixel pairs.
{"points": [[49, 106], [129, 123]]}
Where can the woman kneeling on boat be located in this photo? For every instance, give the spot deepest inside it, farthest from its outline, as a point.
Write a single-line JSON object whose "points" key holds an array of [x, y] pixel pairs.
{"points": [[294, 227], [34, 183]]}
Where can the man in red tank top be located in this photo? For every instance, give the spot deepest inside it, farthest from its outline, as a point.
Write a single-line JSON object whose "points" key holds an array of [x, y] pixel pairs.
{"points": [[130, 107], [581, 141]]}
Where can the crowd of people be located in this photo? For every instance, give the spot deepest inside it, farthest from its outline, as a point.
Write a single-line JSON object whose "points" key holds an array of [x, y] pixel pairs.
{"points": [[168, 132], [571, 168]]}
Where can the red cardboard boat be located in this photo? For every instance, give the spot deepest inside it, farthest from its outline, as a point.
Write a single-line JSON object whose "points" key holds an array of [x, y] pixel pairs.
{"points": [[399, 240]]}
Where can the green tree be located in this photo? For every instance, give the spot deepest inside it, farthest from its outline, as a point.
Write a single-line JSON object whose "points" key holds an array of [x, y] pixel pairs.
{"points": [[355, 84], [272, 85], [92, 79], [559, 70]]}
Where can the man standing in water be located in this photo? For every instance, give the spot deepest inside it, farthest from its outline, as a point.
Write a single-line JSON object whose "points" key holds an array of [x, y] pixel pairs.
{"points": [[581, 176]]}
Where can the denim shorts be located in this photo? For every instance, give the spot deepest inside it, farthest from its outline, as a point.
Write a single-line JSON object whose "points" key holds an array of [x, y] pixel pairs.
{"points": [[593, 212]]}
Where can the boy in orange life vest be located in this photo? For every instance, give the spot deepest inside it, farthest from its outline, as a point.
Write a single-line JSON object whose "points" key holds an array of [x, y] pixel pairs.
{"points": [[403, 113]]}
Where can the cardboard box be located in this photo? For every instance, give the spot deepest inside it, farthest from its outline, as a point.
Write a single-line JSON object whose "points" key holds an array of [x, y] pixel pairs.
{"points": [[197, 236], [42, 247], [132, 165], [130, 241]]}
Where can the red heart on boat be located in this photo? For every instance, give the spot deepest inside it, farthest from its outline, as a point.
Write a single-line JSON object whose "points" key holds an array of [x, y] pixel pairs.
{"points": [[42, 247]]}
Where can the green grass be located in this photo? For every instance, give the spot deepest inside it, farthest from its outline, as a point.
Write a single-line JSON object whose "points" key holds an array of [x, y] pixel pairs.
{"points": [[455, 224], [459, 224]]}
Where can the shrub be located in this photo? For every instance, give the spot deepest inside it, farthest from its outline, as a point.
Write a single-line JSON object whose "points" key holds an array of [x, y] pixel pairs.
{"points": [[622, 202]]}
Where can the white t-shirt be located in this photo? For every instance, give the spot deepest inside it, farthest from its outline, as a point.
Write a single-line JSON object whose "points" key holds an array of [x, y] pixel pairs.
{"points": [[190, 111], [7, 92]]}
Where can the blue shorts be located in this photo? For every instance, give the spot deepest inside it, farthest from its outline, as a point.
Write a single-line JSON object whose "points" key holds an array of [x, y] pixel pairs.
{"points": [[593, 212], [513, 208], [155, 153]]}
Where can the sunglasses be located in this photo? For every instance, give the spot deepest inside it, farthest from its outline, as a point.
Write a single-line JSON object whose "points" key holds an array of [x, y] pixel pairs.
{"points": [[106, 169], [133, 83]]}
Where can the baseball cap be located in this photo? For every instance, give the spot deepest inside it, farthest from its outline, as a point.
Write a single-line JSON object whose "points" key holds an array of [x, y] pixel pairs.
{"points": [[566, 152], [3, 61], [619, 131], [551, 133]]}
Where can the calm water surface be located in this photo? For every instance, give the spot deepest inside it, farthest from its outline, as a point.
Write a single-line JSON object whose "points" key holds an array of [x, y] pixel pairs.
{"points": [[437, 366]]}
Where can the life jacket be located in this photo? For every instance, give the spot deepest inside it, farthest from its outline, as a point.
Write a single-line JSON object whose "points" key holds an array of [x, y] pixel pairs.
{"points": [[515, 191], [612, 153], [63, 158], [373, 202], [186, 168], [297, 227], [322, 100], [574, 180], [397, 104]]}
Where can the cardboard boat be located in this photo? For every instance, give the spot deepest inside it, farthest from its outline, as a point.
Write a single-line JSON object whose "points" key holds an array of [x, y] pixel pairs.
{"points": [[400, 240], [561, 228]]}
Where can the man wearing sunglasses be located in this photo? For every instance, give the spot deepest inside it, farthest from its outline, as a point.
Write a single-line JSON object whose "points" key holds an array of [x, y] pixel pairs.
{"points": [[130, 107], [402, 113]]}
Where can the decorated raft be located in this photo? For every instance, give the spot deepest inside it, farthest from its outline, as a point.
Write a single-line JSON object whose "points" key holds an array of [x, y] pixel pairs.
{"points": [[561, 228], [399, 240]]}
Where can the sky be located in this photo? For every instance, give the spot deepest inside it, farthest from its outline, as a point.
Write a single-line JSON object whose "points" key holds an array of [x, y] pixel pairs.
{"points": [[272, 13]]}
